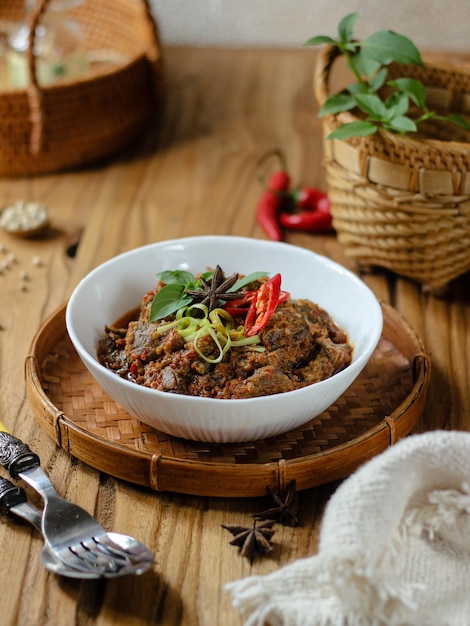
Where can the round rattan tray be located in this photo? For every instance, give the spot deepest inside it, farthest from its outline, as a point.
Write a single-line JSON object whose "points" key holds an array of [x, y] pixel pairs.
{"points": [[382, 406]]}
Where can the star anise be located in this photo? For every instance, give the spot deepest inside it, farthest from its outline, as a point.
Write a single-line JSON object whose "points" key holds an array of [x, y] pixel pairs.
{"points": [[215, 290], [282, 511], [252, 540]]}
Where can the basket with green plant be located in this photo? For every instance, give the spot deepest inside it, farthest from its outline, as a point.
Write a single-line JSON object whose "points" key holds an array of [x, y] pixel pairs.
{"points": [[397, 155]]}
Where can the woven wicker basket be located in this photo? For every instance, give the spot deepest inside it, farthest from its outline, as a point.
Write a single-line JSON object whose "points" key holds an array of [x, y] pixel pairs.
{"points": [[73, 123], [402, 202]]}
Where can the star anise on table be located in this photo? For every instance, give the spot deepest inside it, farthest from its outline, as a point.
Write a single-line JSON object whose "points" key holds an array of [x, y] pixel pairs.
{"points": [[252, 540], [215, 290], [282, 512]]}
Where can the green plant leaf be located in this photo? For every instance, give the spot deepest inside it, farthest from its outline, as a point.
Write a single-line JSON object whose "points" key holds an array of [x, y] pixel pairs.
{"points": [[246, 280], [365, 65], [179, 277], [459, 120], [345, 27], [354, 129], [387, 47], [371, 104], [168, 300], [378, 80], [414, 89], [357, 88], [320, 39], [336, 104], [397, 104], [401, 124]]}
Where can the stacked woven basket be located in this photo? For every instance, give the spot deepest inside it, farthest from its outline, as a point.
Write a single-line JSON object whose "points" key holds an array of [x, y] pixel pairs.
{"points": [[76, 122], [399, 202]]}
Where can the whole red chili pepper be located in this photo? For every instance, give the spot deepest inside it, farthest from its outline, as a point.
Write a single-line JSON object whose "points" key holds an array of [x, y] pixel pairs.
{"points": [[315, 215], [269, 205]]}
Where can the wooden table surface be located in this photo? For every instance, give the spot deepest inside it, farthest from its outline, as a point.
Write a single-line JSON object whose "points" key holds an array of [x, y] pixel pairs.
{"points": [[194, 174]]}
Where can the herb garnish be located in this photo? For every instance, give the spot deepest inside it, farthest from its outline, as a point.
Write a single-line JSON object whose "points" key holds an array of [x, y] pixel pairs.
{"points": [[215, 291], [368, 60], [181, 289]]}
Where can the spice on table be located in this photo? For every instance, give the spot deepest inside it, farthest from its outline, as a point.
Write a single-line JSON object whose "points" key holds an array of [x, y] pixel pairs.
{"points": [[24, 218], [282, 511], [311, 211], [252, 540]]}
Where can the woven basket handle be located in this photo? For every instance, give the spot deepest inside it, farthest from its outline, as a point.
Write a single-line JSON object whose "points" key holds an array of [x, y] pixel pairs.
{"points": [[34, 92], [324, 62], [36, 105], [155, 57]]}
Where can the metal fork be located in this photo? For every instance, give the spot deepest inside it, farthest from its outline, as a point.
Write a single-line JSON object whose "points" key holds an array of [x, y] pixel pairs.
{"points": [[13, 499], [71, 533]]}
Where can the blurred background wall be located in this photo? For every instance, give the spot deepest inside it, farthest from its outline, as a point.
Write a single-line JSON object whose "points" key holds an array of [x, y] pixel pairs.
{"points": [[431, 24]]}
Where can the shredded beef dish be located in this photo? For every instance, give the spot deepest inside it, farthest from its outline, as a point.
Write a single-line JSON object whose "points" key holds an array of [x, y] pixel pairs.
{"points": [[299, 345]]}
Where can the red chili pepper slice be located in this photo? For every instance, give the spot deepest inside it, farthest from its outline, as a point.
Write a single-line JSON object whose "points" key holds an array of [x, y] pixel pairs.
{"points": [[263, 306], [269, 205], [241, 306]]}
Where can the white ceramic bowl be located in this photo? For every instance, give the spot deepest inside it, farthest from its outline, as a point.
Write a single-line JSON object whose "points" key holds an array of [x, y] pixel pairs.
{"points": [[117, 286]]}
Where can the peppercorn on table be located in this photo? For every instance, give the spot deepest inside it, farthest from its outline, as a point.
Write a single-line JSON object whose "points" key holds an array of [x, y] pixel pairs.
{"points": [[195, 173]]}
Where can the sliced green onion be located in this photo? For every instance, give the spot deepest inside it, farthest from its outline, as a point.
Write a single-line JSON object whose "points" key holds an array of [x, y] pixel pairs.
{"points": [[218, 323]]}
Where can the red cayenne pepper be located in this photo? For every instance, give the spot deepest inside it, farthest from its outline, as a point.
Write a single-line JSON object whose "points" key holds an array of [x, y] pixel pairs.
{"points": [[263, 306], [315, 215], [269, 205], [241, 306]]}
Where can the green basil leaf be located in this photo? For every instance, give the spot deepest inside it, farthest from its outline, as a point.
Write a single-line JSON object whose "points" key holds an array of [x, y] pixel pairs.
{"points": [[319, 39], [386, 46], [354, 129], [364, 64], [370, 104], [357, 88], [345, 27], [397, 104], [401, 124], [168, 300], [459, 120], [246, 280], [207, 276], [337, 103], [179, 277], [378, 79], [414, 89]]}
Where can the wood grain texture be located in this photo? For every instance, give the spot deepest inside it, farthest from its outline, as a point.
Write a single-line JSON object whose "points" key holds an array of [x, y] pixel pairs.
{"points": [[194, 174]]}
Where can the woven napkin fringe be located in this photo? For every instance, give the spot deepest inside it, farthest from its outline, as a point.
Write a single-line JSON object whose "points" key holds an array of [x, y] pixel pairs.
{"points": [[394, 547]]}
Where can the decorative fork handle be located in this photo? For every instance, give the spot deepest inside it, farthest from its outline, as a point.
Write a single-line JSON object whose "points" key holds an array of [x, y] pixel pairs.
{"points": [[10, 495], [14, 499], [15, 455]]}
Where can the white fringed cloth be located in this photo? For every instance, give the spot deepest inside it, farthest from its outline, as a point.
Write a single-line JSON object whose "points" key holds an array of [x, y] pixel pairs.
{"points": [[394, 547]]}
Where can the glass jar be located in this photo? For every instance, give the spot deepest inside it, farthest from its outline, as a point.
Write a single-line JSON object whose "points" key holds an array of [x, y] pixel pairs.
{"points": [[59, 47]]}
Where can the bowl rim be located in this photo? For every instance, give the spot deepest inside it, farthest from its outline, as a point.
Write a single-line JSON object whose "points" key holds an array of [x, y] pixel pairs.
{"points": [[95, 364]]}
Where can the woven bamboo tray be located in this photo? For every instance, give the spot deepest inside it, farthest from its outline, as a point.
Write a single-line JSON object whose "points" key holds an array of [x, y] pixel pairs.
{"points": [[402, 202], [73, 123], [382, 406]]}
